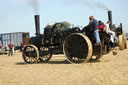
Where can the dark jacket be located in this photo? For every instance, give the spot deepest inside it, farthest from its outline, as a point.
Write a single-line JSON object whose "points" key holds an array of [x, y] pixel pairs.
{"points": [[91, 27]]}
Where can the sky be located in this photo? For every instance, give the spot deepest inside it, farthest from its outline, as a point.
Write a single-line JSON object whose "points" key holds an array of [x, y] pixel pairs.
{"points": [[18, 15]]}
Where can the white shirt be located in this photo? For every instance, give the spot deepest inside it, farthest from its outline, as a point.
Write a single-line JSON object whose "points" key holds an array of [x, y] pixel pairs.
{"points": [[107, 28]]}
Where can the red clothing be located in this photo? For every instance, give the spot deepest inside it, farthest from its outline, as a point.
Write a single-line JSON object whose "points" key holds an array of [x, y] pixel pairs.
{"points": [[101, 27], [11, 45], [22, 45]]}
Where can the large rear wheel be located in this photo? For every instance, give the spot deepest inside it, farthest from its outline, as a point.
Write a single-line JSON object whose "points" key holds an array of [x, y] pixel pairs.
{"points": [[125, 40], [77, 48], [121, 42]]}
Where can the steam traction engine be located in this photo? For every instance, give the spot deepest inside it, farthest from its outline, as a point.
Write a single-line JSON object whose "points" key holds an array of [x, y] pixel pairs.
{"points": [[77, 45]]}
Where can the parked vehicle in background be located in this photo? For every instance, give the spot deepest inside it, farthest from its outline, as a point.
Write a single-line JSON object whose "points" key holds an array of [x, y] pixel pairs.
{"points": [[17, 38], [2, 51]]}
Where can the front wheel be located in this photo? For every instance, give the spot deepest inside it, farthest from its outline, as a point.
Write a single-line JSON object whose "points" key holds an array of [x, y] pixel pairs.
{"points": [[45, 55], [30, 54]]}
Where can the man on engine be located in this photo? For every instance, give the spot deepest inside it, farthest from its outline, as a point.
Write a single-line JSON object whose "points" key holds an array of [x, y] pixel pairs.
{"points": [[111, 33], [94, 27]]}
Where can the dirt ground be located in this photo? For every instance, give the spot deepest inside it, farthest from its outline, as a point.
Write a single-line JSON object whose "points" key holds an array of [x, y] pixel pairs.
{"points": [[110, 70]]}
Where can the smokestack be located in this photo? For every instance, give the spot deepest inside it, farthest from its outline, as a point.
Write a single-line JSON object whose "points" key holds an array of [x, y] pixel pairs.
{"points": [[121, 27], [110, 18], [37, 24]]}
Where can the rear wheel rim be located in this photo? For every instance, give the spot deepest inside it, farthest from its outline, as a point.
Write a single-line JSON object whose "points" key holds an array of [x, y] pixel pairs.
{"points": [[125, 40], [77, 49], [121, 42]]}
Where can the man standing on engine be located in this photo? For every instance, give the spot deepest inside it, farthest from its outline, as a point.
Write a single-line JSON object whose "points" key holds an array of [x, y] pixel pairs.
{"points": [[94, 25]]}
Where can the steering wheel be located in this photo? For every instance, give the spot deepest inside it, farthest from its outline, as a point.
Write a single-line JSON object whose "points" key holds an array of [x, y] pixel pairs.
{"points": [[59, 27]]}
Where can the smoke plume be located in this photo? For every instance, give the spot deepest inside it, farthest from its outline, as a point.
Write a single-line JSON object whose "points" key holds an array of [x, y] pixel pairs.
{"points": [[35, 5], [100, 5], [89, 3]]}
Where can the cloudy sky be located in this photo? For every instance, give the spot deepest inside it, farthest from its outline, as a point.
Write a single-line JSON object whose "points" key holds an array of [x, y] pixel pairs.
{"points": [[18, 15]]}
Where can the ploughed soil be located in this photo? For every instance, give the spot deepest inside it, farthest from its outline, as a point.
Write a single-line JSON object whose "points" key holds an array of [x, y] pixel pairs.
{"points": [[110, 70]]}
